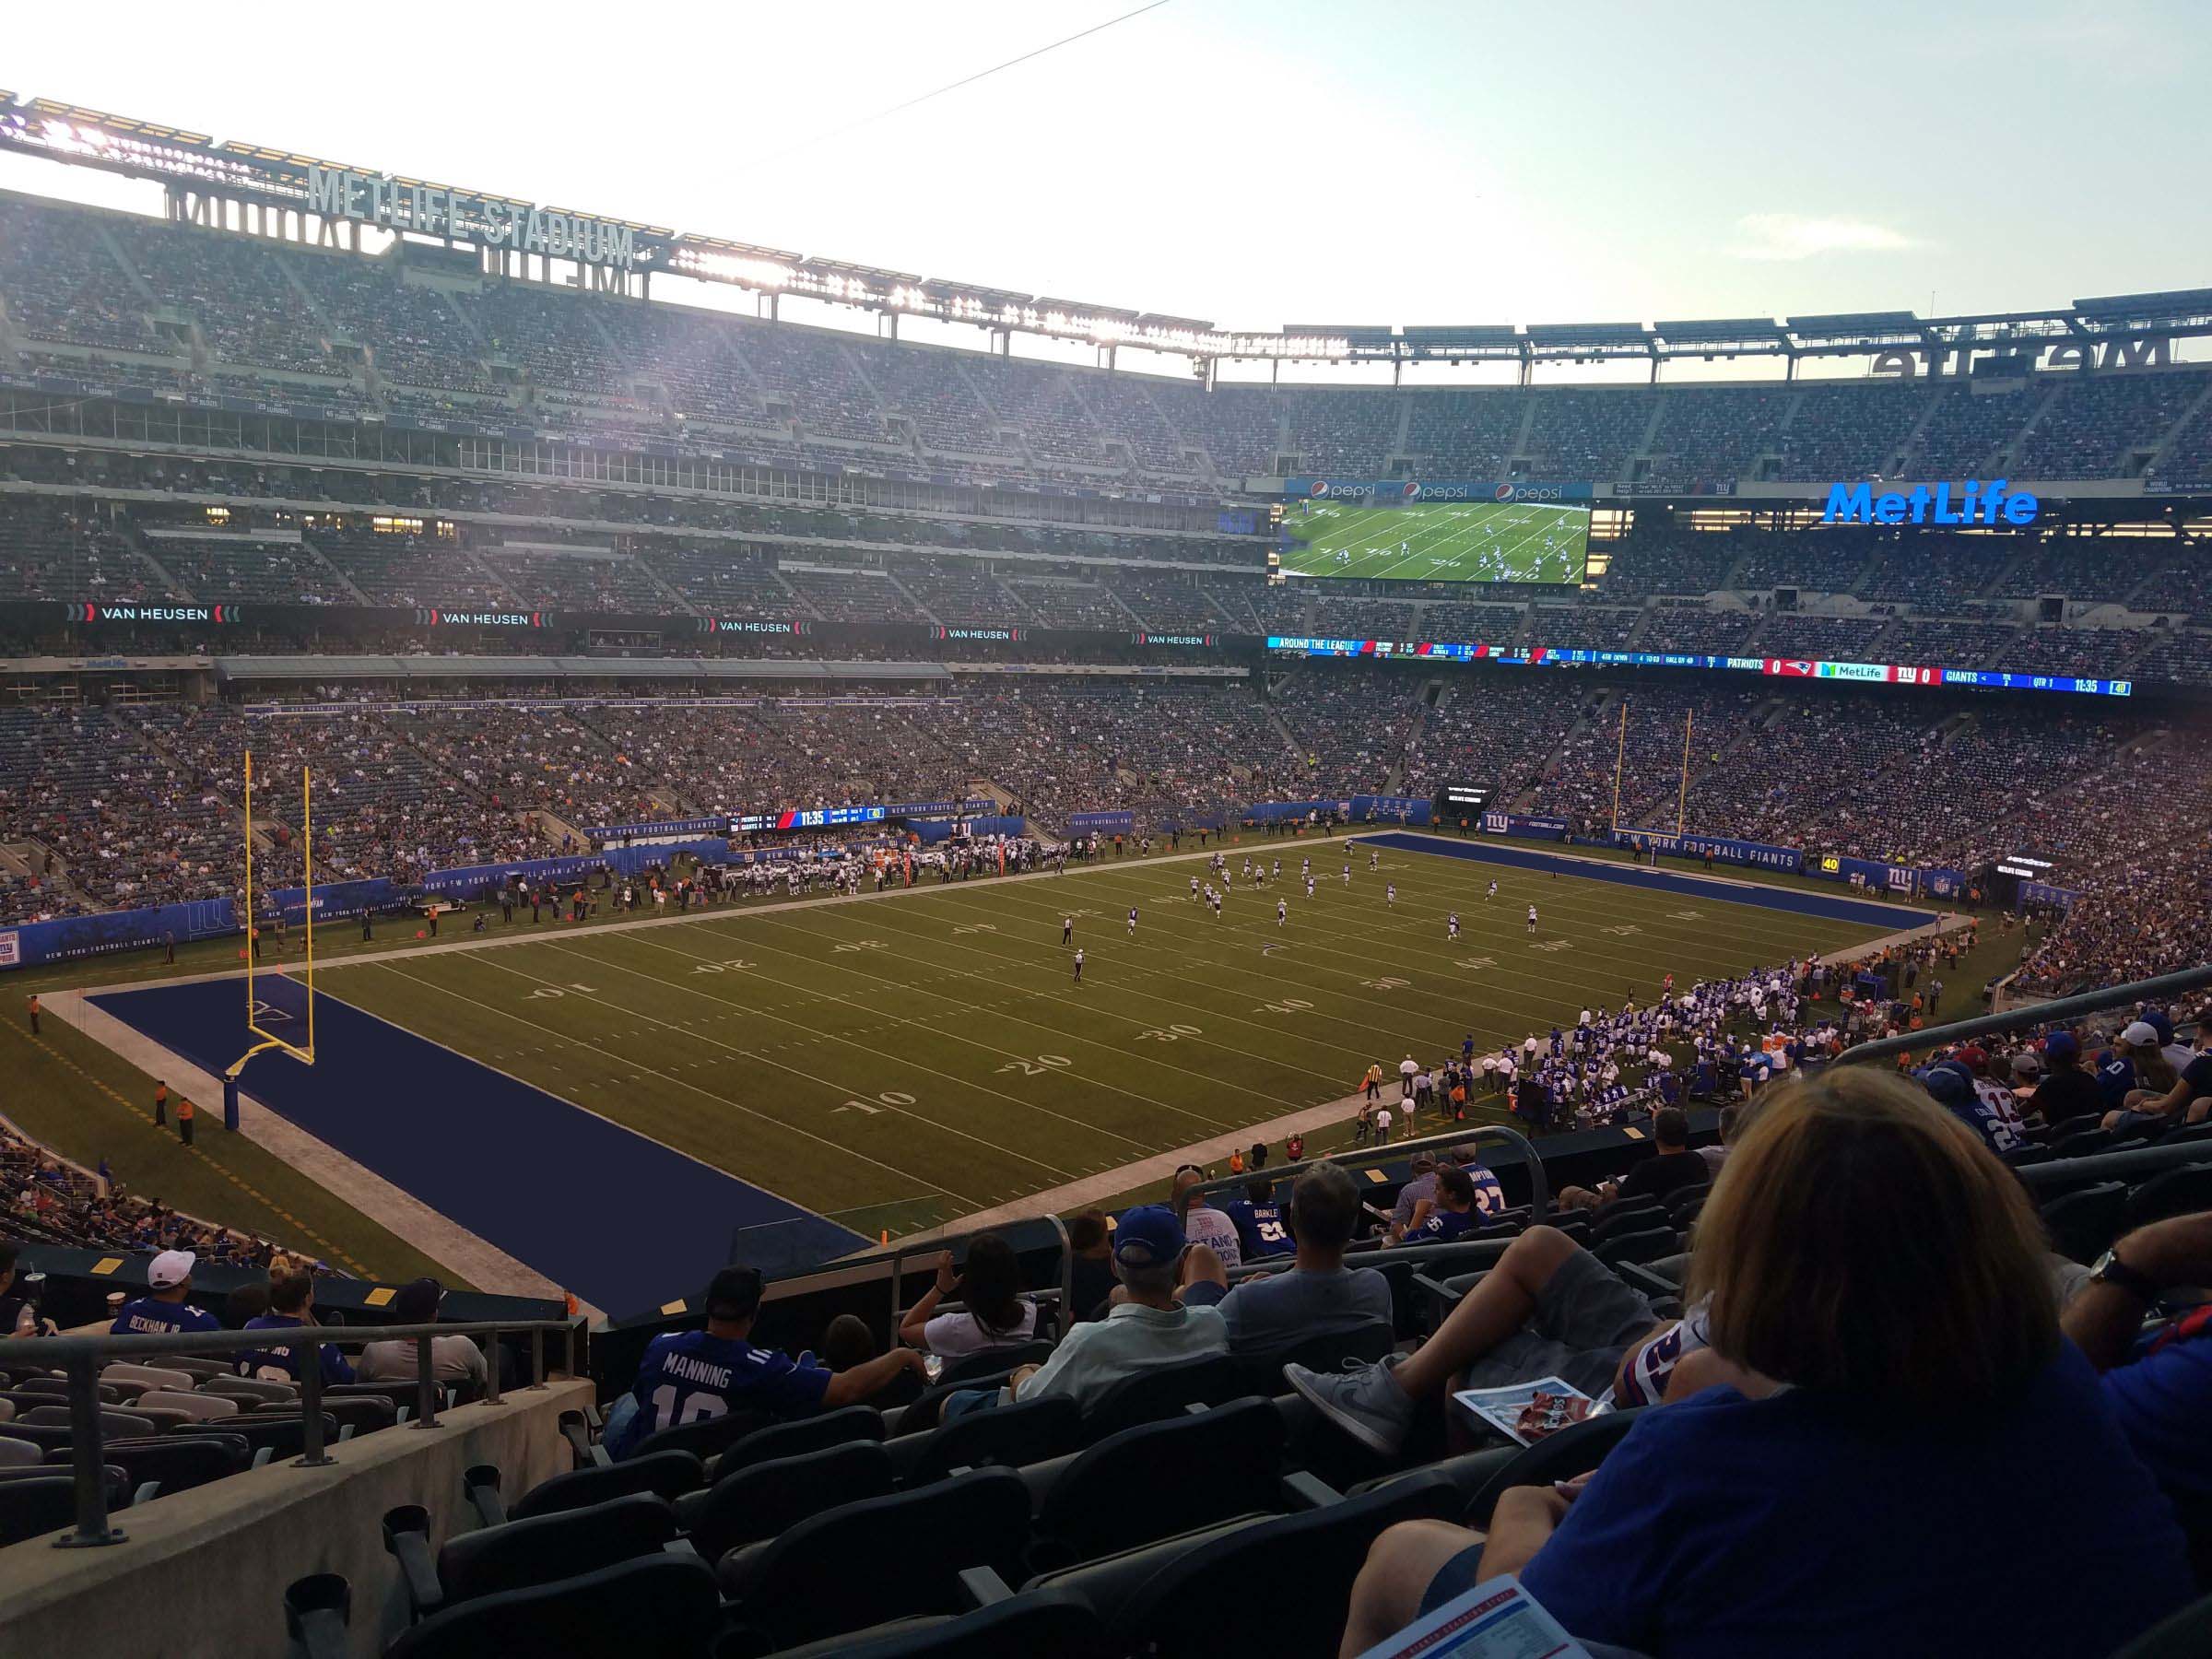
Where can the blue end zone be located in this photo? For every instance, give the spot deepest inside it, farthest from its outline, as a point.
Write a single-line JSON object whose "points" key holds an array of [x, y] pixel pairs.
{"points": [[1894, 917], [622, 1220]]}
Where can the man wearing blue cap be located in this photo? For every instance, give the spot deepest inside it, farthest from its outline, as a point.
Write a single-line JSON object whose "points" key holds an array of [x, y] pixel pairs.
{"points": [[1147, 1327]]}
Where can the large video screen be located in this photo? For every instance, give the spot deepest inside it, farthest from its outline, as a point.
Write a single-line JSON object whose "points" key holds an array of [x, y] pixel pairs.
{"points": [[1437, 541]]}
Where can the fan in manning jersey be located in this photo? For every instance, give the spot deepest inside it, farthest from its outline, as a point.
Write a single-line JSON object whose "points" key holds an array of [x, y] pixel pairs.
{"points": [[688, 1376]]}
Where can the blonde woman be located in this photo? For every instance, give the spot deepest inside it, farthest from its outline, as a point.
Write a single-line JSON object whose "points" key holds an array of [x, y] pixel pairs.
{"points": [[1887, 1447]]}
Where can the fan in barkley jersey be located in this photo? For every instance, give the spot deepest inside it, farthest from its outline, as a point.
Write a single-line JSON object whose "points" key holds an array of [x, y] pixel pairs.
{"points": [[688, 1376], [1261, 1228]]}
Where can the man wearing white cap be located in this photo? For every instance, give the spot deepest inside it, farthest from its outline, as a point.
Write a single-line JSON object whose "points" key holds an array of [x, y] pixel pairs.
{"points": [[163, 1311]]}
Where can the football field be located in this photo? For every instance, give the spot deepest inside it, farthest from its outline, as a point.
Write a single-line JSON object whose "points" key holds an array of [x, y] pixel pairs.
{"points": [[1460, 541], [897, 1061]]}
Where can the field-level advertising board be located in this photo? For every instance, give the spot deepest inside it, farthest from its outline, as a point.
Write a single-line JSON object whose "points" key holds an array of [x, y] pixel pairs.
{"points": [[257, 1009]]}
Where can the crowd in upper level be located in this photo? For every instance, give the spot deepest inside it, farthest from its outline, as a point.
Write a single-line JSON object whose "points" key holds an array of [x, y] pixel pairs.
{"points": [[182, 310]]}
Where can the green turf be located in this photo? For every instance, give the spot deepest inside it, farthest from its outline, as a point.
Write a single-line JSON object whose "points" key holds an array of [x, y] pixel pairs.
{"points": [[897, 1062], [73, 1094], [1458, 541]]}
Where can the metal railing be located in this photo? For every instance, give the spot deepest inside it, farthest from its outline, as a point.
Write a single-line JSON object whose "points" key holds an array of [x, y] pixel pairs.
{"points": [[2036, 1014], [81, 1358], [1459, 1136]]}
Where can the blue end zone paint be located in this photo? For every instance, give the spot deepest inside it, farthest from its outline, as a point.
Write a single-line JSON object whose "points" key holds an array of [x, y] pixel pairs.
{"points": [[1894, 918], [622, 1220]]}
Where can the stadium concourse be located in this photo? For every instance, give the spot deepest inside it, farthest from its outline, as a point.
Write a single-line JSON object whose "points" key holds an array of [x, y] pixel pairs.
{"points": [[789, 799]]}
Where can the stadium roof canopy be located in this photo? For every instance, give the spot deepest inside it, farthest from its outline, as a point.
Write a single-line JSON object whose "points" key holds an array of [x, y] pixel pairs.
{"points": [[196, 169]]}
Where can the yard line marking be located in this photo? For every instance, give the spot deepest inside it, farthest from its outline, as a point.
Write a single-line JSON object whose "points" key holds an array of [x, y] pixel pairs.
{"points": [[655, 1071], [732, 1047], [892, 983]]}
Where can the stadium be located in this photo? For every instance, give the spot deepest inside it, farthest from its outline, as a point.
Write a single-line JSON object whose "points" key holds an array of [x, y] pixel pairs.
{"points": [[993, 961]]}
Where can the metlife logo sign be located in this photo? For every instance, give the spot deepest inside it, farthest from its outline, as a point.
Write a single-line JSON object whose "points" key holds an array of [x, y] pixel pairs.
{"points": [[1976, 503]]}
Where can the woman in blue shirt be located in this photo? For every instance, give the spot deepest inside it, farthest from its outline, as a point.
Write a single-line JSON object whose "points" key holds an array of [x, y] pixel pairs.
{"points": [[1888, 1447]]}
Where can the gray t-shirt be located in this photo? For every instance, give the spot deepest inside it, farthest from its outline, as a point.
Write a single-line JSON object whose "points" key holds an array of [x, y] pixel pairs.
{"points": [[1265, 1314]]}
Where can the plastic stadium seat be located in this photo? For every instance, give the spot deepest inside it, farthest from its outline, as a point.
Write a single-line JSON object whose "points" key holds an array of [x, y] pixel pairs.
{"points": [[764, 1499], [1290, 1578], [657, 1606], [120, 1425], [880, 1559], [2074, 1125], [363, 1414], [1647, 1246], [524, 1553], [270, 1436], [995, 1361], [42, 1435], [19, 1453], [2083, 1225], [1194, 1470], [251, 1390], [192, 1405], [1263, 1373], [59, 1388], [668, 1475], [706, 1437], [136, 1379], [1160, 1391], [1029, 1626], [2020, 1157], [1686, 1201], [2182, 1192], [806, 1434], [1574, 1449], [174, 1463], [2082, 1143], [1023, 1432], [1622, 1218]]}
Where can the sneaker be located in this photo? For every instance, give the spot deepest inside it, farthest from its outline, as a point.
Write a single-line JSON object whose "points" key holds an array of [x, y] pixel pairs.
{"points": [[1366, 1403]]}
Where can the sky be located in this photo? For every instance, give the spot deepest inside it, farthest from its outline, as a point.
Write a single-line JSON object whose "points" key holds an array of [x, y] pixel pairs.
{"points": [[1264, 162]]}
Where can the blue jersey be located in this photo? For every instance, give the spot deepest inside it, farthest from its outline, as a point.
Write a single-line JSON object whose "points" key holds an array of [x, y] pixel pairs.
{"points": [[1443, 1226], [1260, 1230], [2115, 1076], [1987, 1122], [1490, 1197], [147, 1317], [290, 1359], [689, 1375]]}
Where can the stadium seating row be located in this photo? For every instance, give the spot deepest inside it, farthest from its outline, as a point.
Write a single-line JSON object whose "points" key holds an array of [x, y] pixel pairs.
{"points": [[191, 308]]}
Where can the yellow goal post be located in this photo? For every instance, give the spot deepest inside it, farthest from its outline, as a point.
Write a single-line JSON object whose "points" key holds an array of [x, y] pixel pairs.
{"points": [[256, 1008]]}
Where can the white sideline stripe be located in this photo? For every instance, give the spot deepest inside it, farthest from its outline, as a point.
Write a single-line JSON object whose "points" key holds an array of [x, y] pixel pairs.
{"points": [[396, 1210]]}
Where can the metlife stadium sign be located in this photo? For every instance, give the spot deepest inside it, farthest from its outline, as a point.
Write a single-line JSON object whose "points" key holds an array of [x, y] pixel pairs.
{"points": [[1976, 503], [1399, 492], [335, 193]]}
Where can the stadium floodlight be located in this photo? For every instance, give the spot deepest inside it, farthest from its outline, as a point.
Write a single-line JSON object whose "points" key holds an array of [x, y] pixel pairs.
{"points": [[2147, 308], [1719, 330], [1588, 334], [1850, 327]]}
